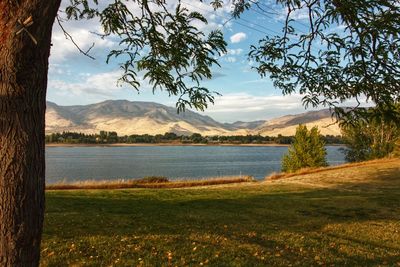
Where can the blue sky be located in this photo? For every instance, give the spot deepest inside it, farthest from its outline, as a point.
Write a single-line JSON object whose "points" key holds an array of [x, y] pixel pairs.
{"points": [[77, 80]]}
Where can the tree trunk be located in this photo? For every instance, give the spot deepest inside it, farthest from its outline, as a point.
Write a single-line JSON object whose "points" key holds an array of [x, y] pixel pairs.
{"points": [[23, 83]]}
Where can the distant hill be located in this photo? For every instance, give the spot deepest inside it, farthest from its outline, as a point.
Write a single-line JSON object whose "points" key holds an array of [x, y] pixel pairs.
{"points": [[127, 118], [250, 125], [286, 125]]}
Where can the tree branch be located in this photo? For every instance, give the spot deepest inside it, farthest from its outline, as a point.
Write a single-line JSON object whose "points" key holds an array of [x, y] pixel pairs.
{"points": [[69, 37]]}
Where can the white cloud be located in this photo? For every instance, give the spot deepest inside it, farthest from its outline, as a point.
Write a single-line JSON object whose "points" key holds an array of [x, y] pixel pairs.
{"points": [[63, 49], [255, 81], [298, 14], [216, 19], [82, 31], [231, 55], [246, 102], [99, 84], [58, 69], [230, 59], [238, 37], [234, 52], [102, 84], [207, 10], [247, 107]]}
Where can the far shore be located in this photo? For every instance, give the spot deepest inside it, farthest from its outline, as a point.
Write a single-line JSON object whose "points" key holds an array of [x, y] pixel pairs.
{"points": [[167, 144], [156, 144]]}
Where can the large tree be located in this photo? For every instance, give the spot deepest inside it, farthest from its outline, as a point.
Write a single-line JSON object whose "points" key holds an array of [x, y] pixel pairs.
{"points": [[175, 56], [23, 81]]}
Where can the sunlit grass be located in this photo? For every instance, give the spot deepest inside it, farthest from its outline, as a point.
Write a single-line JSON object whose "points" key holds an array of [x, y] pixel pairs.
{"points": [[304, 171], [348, 216]]}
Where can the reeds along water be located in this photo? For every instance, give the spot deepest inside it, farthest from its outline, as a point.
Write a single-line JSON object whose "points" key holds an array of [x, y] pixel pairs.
{"points": [[149, 182]]}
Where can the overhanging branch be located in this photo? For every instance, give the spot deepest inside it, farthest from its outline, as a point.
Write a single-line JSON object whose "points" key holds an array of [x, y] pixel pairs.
{"points": [[69, 37]]}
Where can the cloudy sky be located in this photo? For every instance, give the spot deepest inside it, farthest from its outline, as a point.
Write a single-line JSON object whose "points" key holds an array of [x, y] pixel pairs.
{"points": [[77, 80]]}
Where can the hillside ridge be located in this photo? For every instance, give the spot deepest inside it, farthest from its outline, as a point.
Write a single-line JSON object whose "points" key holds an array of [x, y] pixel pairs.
{"points": [[139, 117]]}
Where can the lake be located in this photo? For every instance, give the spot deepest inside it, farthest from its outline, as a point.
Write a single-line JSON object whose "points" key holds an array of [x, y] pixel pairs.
{"points": [[70, 164]]}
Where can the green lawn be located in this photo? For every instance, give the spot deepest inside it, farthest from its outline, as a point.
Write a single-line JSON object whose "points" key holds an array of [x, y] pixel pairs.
{"points": [[341, 217]]}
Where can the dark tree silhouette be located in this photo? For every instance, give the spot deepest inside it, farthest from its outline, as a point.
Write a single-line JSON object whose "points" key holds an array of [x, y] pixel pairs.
{"points": [[177, 54]]}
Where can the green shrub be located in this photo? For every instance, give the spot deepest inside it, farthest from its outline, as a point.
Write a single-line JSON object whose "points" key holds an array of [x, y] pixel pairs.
{"points": [[370, 138], [396, 151], [307, 151]]}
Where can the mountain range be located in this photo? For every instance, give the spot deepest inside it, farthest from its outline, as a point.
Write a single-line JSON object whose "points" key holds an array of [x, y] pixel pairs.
{"points": [[126, 118]]}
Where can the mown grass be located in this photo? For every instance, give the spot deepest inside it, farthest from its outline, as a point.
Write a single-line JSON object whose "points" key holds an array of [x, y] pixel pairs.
{"points": [[342, 217]]}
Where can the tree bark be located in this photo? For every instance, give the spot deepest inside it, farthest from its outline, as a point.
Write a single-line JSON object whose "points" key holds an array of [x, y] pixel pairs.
{"points": [[23, 84]]}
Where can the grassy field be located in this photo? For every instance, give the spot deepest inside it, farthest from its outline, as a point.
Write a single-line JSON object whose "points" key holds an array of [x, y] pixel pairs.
{"points": [[346, 216]]}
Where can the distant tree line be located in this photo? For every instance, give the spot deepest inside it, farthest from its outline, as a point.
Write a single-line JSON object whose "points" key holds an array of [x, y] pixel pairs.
{"points": [[104, 137]]}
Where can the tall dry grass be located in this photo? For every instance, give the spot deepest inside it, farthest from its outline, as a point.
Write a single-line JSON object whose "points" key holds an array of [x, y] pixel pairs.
{"points": [[149, 182]]}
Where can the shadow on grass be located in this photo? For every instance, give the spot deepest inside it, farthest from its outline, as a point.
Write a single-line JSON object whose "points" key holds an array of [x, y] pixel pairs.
{"points": [[291, 226]]}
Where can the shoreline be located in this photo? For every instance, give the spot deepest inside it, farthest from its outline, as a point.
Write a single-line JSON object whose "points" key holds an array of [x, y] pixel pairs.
{"points": [[161, 183], [155, 184], [169, 144], [159, 144]]}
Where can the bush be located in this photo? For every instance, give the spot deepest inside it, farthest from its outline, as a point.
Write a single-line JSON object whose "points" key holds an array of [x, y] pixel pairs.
{"points": [[396, 151], [370, 138], [307, 151]]}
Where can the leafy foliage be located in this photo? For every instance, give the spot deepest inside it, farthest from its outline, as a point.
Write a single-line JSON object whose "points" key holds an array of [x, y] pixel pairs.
{"points": [[396, 151], [307, 150], [173, 54], [348, 49], [370, 138]]}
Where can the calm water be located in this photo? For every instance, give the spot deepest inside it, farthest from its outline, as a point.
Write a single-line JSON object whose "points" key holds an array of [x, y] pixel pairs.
{"points": [[104, 163]]}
